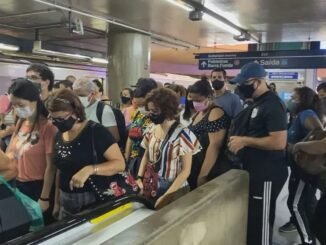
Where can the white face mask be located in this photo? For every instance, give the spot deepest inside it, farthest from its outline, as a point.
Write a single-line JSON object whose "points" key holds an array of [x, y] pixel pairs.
{"points": [[84, 101], [24, 112], [142, 110]]}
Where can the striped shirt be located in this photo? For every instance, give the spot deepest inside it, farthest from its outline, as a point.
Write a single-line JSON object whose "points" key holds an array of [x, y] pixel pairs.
{"points": [[183, 143]]}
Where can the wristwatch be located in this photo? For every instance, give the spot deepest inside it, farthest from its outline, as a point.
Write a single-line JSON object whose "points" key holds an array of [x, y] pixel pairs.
{"points": [[139, 177]]}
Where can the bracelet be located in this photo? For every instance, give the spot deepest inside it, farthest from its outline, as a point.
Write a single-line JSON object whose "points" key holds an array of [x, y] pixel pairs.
{"points": [[140, 177], [44, 199], [95, 169]]}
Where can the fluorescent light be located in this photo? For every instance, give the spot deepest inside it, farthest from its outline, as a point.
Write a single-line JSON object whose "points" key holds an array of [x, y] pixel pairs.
{"points": [[8, 47], [60, 54], [323, 45], [99, 60], [221, 24], [222, 13], [180, 4], [209, 18]]}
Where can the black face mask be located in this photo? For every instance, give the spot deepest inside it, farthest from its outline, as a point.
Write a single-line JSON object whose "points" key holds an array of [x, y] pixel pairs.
{"points": [[217, 84], [64, 125], [125, 100], [157, 118], [247, 90]]}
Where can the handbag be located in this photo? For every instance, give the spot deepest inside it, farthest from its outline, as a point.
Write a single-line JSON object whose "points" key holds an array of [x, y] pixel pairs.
{"points": [[117, 185], [26, 211], [309, 163], [151, 177]]}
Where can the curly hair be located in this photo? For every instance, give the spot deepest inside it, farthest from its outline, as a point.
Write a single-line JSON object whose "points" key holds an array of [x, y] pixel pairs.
{"points": [[308, 100], [66, 100], [166, 100], [45, 73]]}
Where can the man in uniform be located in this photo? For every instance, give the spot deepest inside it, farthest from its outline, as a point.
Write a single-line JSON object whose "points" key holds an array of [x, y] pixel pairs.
{"points": [[262, 147]]}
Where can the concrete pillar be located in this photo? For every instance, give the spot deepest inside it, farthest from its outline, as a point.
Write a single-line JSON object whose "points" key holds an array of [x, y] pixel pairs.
{"points": [[129, 59], [310, 78]]}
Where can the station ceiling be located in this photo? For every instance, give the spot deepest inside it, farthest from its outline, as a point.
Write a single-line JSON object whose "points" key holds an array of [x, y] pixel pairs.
{"points": [[273, 21]]}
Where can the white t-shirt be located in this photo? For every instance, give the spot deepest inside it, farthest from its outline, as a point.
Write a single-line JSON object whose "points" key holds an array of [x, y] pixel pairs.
{"points": [[108, 118]]}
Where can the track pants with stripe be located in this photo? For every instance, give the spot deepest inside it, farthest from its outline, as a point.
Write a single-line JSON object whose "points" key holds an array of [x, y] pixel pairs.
{"points": [[302, 203], [265, 185], [319, 220]]}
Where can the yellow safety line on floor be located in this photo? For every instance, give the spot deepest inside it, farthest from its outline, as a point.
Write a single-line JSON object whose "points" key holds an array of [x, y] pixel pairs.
{"points": [[112, 213]]}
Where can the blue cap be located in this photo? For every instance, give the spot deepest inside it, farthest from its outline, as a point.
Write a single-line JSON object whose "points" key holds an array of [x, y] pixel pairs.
{"points": [[250, 70]]}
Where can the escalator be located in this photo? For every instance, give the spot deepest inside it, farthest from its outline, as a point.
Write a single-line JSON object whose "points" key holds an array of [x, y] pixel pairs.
{"points": [[94, 225]]}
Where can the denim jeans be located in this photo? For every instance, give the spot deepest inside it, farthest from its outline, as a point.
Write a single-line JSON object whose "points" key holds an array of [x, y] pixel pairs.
{"points": [[163, 186]]}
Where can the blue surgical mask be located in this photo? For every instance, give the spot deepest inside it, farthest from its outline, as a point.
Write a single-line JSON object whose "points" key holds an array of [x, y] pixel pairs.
{"points": [[292, 106], [24, 112], [182, 100]]}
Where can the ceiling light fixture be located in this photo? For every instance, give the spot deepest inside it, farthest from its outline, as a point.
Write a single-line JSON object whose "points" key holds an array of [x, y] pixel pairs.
{"points": [[118, 23], [167, 45], [99, 60], [181, 4], [37, 49], [221, 25], [8, 47]]}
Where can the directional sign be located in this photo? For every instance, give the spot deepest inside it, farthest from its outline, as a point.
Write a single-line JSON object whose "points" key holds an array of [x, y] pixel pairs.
{"points": [[294, 59], [283, 75]]}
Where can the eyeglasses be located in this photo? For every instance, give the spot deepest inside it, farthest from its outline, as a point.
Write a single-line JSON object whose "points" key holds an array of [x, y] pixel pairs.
{"points": [[59, 119], [33, 77]]}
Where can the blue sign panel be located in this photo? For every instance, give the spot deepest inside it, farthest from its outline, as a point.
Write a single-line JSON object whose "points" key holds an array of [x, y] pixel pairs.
{"points": [[283, 75], [294, 59]]}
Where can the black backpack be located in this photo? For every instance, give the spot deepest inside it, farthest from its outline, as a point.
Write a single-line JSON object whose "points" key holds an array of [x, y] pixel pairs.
{"points": [[120, 119]]}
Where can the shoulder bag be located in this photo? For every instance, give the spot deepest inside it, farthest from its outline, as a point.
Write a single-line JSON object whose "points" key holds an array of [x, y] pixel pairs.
{"points": [[117, 185], [151, 177]]}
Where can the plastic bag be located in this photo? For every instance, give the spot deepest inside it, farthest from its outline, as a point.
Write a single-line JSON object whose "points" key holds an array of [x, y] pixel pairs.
{"points": [[32, 207]]}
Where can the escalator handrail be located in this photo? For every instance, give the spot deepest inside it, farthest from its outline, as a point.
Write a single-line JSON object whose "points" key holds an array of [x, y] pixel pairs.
{"points": [[60, 227]]}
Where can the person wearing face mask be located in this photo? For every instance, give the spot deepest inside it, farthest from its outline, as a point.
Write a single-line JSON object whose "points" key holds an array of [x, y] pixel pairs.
{"points": [[139, 122], [307, 111], [32, 143], [42, 75], [210, 125], [230, 102], [188, 111], [86, 90], [78, 175], [168, 150], [259, 140], [126, 97], [321, 90]]}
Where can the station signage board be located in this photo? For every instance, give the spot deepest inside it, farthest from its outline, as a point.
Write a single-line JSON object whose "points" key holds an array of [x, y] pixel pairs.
{"points": [[292, 59], [283, 75]]}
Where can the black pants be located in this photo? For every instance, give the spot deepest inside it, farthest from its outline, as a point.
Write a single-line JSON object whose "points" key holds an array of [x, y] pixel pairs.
{"points": [[301, 203], [265, 185], [319, 220]]}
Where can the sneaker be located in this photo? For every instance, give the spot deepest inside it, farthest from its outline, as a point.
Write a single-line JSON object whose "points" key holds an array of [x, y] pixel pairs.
{"points": [[288, 227]]}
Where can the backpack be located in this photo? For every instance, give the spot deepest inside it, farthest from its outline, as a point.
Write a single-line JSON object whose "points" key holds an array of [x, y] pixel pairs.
{"points": [[239, 127], [119, 118], [312, 164]]}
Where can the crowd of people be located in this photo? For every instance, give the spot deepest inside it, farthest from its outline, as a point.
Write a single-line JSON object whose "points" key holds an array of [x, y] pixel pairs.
{"points": [[66, 148]]}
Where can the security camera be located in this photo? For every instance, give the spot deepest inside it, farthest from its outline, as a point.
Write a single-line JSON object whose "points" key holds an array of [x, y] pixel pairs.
{"points": [[78, 27], [244, 36], [195, 15]]}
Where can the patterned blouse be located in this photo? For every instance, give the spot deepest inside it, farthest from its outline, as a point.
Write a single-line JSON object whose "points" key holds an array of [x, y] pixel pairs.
{"points": [[204, 126], [171, 164], [139, 123]]}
